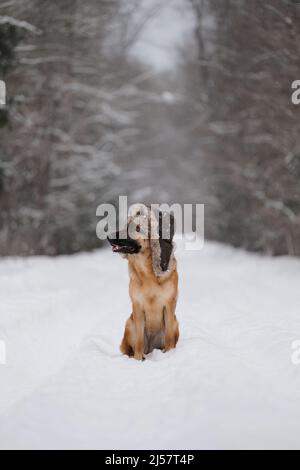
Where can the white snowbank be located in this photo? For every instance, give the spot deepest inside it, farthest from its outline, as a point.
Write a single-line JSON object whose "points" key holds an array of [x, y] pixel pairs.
{"points": [[229, 384]]}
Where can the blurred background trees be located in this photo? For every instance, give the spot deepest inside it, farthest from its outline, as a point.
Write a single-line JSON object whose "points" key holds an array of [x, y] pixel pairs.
{"points": [[248, 55], [87, 120]]}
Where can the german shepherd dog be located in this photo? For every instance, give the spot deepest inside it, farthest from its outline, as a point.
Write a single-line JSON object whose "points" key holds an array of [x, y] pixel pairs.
{"points": [[147, 244]]}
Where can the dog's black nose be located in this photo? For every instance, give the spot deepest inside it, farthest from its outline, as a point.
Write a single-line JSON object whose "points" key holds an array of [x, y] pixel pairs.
{"points": [[113, 238]]}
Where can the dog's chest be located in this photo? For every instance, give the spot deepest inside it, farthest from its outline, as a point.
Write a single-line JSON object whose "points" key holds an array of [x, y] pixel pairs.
{"points": [[153, 298], [153, 294]]}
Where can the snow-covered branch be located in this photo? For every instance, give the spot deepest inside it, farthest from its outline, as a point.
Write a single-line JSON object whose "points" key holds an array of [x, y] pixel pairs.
{"points": [[19, 24]]}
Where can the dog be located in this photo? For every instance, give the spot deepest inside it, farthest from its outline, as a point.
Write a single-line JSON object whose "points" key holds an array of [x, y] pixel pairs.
{"points": [[147, 244]]}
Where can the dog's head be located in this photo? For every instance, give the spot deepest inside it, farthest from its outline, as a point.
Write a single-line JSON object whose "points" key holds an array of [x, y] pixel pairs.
{"points": [[147, 229]]}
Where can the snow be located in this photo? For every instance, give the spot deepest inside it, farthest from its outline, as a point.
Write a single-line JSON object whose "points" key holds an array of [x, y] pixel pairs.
{"points": [[18, 23], [168, 25], [230, 383]]}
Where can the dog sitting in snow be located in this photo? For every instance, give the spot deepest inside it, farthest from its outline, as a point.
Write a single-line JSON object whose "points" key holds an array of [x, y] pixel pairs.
{"points": [[147, 244]]}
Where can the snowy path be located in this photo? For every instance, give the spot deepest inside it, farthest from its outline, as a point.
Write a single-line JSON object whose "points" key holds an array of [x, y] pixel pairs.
{"points": [[229, 384]]}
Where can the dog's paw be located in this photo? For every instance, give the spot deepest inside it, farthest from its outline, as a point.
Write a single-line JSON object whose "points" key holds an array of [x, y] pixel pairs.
{"points": [[139, 357], [168, 348]]}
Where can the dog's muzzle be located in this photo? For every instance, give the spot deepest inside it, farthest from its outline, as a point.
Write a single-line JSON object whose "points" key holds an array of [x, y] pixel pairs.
{"points": [[126, 246]]}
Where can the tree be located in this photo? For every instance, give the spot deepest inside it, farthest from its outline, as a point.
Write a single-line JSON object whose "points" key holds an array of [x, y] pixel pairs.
{"points": [[70, 123], [248, 53]]}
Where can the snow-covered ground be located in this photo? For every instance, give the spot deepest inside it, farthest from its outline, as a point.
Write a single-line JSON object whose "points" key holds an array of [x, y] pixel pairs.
{"points": [[229, 384]]}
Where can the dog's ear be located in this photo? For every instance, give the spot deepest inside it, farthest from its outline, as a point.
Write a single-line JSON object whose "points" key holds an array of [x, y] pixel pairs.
{"points": [[166, 234]]}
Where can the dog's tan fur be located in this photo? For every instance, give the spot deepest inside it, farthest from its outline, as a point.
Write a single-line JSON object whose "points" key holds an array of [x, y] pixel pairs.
{"points": [[153, 322]]}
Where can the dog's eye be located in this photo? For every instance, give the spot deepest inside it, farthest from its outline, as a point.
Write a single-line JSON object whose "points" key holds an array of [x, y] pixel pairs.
{"points": [[138, 228]]}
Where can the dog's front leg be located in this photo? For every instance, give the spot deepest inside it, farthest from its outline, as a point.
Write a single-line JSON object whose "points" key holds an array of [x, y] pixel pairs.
{"points": [[171, 326], [139, 321]]}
